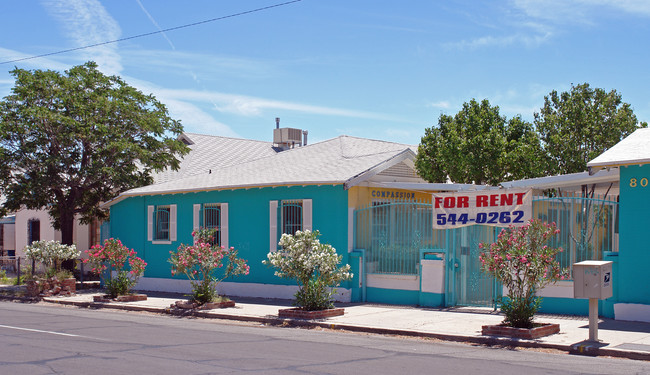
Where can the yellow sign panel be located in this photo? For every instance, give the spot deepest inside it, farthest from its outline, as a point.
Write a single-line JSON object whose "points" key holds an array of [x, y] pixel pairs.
{"points": [[362, 196]]}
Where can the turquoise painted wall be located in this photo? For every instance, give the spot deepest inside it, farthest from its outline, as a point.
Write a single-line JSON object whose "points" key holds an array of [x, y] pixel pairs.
{"points": [[248, 223], [393, 296], [633, 275]]}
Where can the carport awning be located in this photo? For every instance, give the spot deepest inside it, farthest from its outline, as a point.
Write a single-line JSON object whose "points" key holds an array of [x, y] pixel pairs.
{"points": [[566, 180]]}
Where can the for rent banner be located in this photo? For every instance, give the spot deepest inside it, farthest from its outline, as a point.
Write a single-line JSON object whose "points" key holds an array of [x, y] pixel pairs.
{"points": [[502, 208]]}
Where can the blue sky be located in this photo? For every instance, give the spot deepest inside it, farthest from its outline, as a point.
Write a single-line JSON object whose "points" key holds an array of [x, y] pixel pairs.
{"points": [[370, 68]]}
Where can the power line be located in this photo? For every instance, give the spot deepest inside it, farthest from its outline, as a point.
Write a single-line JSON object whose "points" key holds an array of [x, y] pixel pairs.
{"points": [[153, 32]]}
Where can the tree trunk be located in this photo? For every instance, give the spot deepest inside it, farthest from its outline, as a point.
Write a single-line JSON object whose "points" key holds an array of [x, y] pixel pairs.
{"points": [[66, 222]]}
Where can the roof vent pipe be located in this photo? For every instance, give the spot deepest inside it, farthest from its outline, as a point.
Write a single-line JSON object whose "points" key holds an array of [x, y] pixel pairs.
{"points": [[304, 137], [277, 123]]}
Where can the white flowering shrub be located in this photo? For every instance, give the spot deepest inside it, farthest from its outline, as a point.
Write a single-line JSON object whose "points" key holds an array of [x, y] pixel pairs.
{"points": [[313, 265], [51, 254]]}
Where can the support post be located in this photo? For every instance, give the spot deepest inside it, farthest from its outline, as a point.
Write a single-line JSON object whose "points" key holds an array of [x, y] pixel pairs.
{"points": [[18, 271], [593, 319]]}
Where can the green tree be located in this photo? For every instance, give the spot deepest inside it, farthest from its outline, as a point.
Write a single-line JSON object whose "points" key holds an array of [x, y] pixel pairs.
{"points": [[578, 125], [523, 153], [70, 141], [479, 146]]}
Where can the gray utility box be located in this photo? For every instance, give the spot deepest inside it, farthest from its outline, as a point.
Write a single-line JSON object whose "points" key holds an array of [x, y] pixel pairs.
{"points": [[592, 279]]}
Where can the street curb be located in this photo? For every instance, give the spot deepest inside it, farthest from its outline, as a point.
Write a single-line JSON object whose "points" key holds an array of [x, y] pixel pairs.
{"points": [[12, 298], [576, 349]]}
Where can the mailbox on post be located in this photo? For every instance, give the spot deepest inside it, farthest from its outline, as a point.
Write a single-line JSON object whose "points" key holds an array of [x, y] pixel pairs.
{"points": [[592, 279]]}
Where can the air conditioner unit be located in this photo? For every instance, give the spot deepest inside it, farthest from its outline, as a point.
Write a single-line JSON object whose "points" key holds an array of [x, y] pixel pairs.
{"points": [[287, 137]]}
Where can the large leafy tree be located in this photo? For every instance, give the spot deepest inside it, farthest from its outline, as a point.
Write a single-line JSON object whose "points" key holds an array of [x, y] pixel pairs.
{"points": [[578, 125], [70, 141], [479, 146]]}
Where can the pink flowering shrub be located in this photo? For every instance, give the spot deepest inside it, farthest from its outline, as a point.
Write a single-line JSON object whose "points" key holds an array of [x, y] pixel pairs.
{"points": [[200, 261], [116, 256], [522, 261]]}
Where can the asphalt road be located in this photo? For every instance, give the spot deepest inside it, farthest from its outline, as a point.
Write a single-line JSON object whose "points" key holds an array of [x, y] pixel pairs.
{"points": [[46, 339]]}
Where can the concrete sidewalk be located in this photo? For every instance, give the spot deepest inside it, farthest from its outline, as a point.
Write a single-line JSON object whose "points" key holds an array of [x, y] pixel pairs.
{"points": [[618, 338]]}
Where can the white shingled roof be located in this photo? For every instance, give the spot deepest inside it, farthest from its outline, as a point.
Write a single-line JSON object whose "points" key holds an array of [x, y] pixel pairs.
{"points": [[634, 149], [208, 152], [341, 160]]}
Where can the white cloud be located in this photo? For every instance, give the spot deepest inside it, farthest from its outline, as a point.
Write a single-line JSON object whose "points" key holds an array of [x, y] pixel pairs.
{"points": [[578, 11], [196, 120], [527, 38], [252, 106], [86, 22], [532, 22], [639, 7], [443, 104], [185, 63]]}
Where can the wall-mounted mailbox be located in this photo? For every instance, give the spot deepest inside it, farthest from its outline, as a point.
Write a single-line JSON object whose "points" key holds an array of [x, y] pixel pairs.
{"points": [[592, 279]]}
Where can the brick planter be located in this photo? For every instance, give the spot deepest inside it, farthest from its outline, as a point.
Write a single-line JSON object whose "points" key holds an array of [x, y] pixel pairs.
{"points": [[126, 298], [298, 313], [69, 285], [545, 329], [206, 306], [51, 287]]}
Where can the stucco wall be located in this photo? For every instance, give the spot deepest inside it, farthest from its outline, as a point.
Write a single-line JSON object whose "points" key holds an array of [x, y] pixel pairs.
{"points": [[634, 248], [248, 224], [47, 232], [80, 232]]}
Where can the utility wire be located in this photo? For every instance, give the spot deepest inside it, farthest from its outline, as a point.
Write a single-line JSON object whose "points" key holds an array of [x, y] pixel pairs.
{"points": [[153, 32]]}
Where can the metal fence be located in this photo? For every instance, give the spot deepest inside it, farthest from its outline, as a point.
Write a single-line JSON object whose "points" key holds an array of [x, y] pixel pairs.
{"points": [[588, 225], [15, 266], [393, 234]]}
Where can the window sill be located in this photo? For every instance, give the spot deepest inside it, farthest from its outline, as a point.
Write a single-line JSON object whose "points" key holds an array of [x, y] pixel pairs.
{"points": [[161, 242]]}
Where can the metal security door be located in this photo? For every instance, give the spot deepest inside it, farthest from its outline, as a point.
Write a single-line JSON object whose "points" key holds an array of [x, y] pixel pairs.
{"points": [[467, 284]]}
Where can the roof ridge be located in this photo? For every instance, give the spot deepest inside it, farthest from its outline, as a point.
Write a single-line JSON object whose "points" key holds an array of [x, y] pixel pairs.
{"points": [[225, 137], [375, 140]]}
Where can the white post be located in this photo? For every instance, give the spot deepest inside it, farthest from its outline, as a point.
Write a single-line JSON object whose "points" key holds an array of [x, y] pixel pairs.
{"points": [[593, 319]]}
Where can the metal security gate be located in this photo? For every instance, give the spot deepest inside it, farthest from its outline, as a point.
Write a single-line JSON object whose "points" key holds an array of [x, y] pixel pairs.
{"points": [[467, 284]]}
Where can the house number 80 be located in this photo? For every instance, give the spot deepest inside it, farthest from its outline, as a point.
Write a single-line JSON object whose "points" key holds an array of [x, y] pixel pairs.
{"points": [[642, 182]]}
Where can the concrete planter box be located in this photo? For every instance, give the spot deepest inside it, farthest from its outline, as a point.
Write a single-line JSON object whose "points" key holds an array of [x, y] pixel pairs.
{"points": [[126, 298], [546, 329], [298, 313], [206, 306]]}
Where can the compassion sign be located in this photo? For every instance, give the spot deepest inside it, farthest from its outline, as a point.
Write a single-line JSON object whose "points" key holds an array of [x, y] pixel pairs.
{"points": [[496, 207]]}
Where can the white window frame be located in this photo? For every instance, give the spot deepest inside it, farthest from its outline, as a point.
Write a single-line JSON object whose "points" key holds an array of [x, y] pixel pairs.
{"points": [[198, 212], [307, 223], [151, 222]]}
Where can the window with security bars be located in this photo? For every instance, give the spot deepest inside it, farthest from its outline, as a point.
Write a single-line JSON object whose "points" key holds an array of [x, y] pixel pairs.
{"points": [[161, 220], [291, 216], [211, 219]]}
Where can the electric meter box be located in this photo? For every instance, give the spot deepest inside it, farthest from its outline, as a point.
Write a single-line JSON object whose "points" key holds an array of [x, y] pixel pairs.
{"points": [[592, 279]]}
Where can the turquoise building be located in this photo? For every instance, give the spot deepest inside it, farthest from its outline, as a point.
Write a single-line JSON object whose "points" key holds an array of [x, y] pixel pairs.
{"points": [[631, 157], [259, 191], [367, 201]]}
